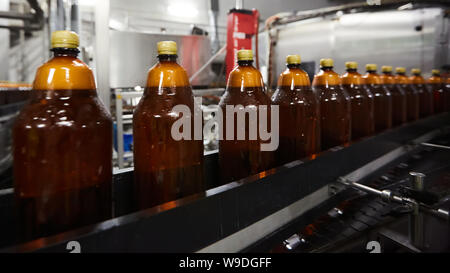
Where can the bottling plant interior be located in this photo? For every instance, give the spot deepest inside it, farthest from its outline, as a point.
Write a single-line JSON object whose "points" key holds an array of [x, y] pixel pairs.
{"points": [[205, 126]]}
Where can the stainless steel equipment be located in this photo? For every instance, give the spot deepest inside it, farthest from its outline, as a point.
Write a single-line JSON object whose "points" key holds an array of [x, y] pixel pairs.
{"points": [[409, 38]]}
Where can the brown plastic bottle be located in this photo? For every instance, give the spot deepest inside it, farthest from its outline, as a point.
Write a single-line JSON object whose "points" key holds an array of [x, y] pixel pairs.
{"points": [[398, 96], [299, 127], [412, 97], [335, 112], [362, 102], [62, 147], [165, 169], [425, 96], [382, 99], [241, 158], [436, 86], [447, 95]]}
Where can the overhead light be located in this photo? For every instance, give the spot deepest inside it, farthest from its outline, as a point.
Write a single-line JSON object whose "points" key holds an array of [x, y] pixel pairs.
{"points": [[182, 10]]}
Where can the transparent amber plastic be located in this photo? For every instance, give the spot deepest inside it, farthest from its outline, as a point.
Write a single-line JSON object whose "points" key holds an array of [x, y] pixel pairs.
{"points": [[425, 95], [399, 108], [362, 104], [335, 113], [299, 127], [436, 86], [165, 169], [382, 101], [62, 151], [241, 158], [412, 97]]}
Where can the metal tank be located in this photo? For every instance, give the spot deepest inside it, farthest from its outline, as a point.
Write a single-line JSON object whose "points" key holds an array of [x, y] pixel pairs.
{"points": [[409, 38]]}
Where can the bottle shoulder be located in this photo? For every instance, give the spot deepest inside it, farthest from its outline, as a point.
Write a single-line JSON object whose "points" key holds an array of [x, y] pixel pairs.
{"points": [[167, 74], [326, 78], [245, 76], [293, 77], [64, 73], [415, 79]]}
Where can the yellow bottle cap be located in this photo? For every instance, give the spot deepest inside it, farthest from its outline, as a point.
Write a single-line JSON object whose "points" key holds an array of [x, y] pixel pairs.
{"points": [[245, 55], [293, 59], [436, 72], [371, 67], [326, 62], [351, 65], [167, 48], [65, 39], [416, 71], [400, 69], [386, 68]]}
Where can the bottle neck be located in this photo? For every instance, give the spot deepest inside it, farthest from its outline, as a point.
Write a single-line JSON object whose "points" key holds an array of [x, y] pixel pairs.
{"points": [[351, 70], [167, 58], [371, 71], [400, 74], [245, 63], [387, 73], [327, 68], [292, 66], [62, 51]]}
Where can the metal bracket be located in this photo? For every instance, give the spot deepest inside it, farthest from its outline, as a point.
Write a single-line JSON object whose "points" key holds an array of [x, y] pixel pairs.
{"points": [[335, 188]]}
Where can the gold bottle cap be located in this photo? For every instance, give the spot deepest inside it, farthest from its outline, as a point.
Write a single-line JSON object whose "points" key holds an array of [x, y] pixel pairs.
{"points": [[351, 65], [436, 72], [326, 62], [400, 70], [65, 39], [245, 55], [167, 48], [371, 67], [416, 71], [386, 68], [293, 59]]}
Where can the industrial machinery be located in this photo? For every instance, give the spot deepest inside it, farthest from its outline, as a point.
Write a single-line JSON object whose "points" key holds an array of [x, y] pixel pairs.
{"points": [[305, 205], [396, 33], [388, 192]]}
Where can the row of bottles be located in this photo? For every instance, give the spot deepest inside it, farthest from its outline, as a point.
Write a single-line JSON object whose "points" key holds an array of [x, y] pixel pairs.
{"points": [[63, 137], [63, 143]]}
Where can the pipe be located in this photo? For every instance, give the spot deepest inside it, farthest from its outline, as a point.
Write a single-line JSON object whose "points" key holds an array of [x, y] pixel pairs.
{"points": [[435, 145], [417, 181], [363, 5], [416, 228], [239, 4], [213, 14], [16, 15], [32, 22], [75, 17], [256, 27], [207, 63], [389, 196]]}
